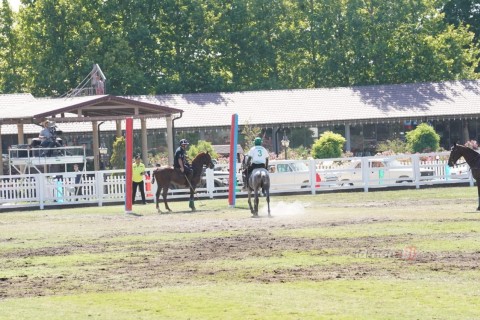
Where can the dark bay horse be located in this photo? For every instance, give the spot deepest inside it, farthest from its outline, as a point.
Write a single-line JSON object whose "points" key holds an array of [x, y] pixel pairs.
{"points": [[473, 160], [167, 175], [259, 181]]}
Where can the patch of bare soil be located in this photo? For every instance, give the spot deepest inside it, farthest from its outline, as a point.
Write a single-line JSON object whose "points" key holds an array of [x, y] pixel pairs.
{"points": [[150, 264]]}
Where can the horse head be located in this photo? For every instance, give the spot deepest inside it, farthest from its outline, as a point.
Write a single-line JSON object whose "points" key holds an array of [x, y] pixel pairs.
{"points": [[455, 154], [203, 159]]}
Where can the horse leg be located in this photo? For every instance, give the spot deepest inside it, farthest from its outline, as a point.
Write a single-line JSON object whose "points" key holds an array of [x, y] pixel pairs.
{"points": [[256, 200], [164, 195], [157, 199], [191, 202], [268, 202], [250, 201], [478, 192]]}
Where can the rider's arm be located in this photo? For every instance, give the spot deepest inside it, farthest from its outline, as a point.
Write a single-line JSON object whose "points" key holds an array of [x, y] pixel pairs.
{"points": [[181, 164]]}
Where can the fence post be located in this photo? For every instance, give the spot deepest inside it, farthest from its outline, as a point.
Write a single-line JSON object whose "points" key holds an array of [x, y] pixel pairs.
{"points": [[365, 173], [210, 182], [99, 186], [416, 169], [313, 175], [40, 189]]}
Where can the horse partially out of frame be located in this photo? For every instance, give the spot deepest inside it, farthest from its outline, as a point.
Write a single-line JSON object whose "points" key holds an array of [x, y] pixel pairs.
{"points": [[168, 175], [473, 160]]}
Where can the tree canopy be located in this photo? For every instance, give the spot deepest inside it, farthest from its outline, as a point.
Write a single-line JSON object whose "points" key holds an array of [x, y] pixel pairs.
{"points": [[184, 46]]}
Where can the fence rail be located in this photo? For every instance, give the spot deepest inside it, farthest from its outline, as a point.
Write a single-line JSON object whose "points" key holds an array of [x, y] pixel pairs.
{"points": [[56, 189]]}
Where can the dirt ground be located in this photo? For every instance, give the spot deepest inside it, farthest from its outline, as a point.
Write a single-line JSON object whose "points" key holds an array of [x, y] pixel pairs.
{"points": [[149, 260]]}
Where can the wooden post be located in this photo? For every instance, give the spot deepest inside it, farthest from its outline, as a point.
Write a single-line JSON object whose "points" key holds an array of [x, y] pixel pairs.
{"points": [[95, 146], [21, 137], [143, 123], [170, 147]]}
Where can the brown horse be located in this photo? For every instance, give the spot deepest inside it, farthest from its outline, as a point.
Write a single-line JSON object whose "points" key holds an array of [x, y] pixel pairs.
{"points": [[473, 160], [168, 175]]}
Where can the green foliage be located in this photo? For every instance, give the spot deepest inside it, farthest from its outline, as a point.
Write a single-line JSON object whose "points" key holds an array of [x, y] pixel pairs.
{"points": [[250, 133], [423, 139], [300, 153], [10, 79], [300, 136], [186, 46], [394, 146], [201, 146], [329, 145], [117, 159]]}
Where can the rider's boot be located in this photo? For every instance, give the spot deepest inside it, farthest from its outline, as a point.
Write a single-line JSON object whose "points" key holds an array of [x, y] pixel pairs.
{"points": [[244, 178]]}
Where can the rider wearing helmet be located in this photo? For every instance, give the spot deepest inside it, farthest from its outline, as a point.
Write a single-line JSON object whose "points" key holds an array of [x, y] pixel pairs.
{"points": [[180, 162], [257, 157]]}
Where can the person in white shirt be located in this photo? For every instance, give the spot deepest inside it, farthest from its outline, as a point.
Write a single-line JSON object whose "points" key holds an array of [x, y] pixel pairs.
{"points": [[257, 157]]}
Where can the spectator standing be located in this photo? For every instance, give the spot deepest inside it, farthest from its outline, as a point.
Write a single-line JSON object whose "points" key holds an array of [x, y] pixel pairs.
{"points": [[138, 171]]}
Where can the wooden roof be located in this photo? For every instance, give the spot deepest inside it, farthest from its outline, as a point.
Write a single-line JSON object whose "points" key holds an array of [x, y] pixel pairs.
{"points": [[26, 109], [326, 106]]}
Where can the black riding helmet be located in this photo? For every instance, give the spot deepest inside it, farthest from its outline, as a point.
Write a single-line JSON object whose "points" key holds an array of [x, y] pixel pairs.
{"points": [[183, 142]]}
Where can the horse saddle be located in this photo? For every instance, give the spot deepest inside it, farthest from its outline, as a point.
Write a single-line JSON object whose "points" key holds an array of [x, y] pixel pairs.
{"points": [[181, 175]]}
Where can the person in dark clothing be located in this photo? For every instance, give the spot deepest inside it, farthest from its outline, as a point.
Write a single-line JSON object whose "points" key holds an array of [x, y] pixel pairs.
{"points": [[180, 162]]}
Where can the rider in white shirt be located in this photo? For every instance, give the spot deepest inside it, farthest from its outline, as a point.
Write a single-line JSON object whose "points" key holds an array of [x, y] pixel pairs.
{"points": [[257, 158]]}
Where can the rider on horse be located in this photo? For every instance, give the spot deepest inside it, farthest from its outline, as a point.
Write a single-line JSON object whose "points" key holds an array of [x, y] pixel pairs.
{"points": [[180, 162], [257, 158]]}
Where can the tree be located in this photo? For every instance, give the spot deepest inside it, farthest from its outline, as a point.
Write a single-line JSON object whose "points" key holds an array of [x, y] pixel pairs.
{"points": [[464, 12], [329, 145], [423, 139], [250, 133], [201, 146], [10, 78], [392, 146], [117, 159]]}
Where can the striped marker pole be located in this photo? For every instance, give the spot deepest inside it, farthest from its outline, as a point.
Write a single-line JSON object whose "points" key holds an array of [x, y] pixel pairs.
{"points": [[232, 186], [128, 164]]}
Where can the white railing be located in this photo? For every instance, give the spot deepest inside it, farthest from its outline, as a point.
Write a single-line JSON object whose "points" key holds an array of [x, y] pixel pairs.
{"points": [[54, 189]]}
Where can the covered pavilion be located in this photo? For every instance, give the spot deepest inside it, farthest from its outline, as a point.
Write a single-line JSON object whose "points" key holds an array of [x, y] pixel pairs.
{"points": [[24, 110]]}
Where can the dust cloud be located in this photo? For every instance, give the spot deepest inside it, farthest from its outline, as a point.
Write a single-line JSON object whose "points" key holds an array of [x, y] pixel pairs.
{"points": [[285, 208]]}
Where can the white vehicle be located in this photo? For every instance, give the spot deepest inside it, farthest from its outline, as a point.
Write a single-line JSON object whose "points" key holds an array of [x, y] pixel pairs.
{"points": [[289, 174], [459, 172], [381, 171]]}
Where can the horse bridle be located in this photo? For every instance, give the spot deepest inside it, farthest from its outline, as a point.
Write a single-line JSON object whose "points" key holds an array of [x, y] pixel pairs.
{"points": [[465, 162]]}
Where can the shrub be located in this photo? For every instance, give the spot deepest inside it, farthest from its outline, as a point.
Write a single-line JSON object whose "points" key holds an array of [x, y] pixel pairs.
{"points": [[329, 145], [201, 146], [423, 139]]}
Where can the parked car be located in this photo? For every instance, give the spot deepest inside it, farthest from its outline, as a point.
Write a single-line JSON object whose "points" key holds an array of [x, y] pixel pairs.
{"points": [[459, 172], [290, 174], [382, 170]]}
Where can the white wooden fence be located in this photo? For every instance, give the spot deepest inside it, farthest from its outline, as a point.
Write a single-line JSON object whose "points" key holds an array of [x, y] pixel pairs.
{"points": [[41, 190]]}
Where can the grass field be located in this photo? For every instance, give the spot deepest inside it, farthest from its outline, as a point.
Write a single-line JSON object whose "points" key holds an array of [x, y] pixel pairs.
{"points": [[409, 254]]}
